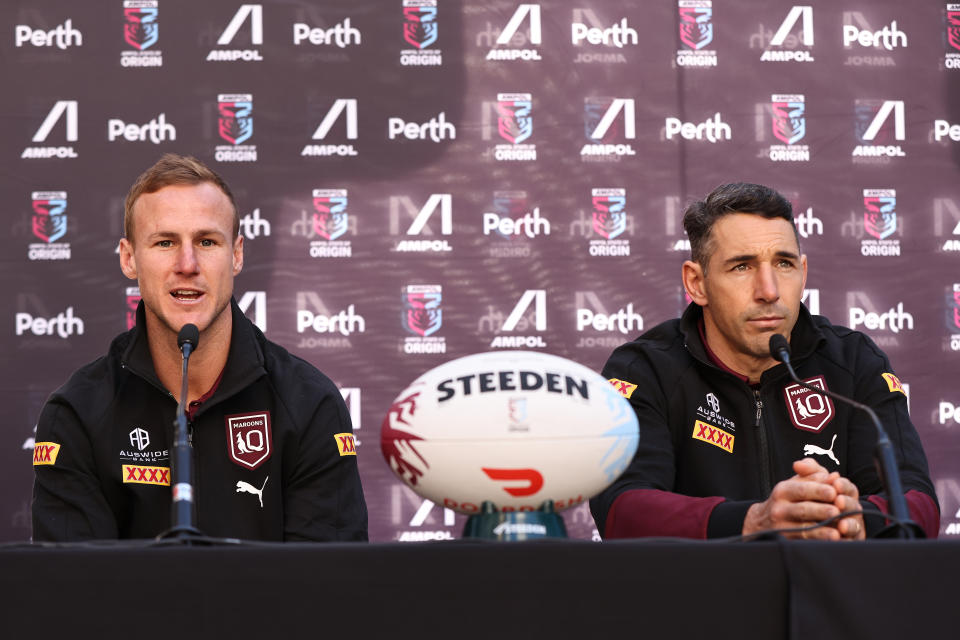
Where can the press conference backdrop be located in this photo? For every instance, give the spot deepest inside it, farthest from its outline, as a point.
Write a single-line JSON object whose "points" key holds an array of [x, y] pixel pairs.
{"points": [[425, 179]]}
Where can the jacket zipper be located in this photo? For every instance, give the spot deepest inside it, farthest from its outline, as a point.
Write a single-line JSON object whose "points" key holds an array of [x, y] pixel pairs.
{"points": [[764, 453]]}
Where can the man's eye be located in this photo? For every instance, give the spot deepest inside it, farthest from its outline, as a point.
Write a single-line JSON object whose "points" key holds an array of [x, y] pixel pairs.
{"points": [[206, 242], [164, 243], [740, 267]]}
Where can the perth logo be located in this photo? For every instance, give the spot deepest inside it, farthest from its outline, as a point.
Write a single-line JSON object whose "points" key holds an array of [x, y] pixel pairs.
{"points": [[420, 32], [695, 21], [141, 31], [251, 12], [49, 225], [62, 36], [64, 324], [320, 325], [156, 131], [587, 32], [235, 126]]}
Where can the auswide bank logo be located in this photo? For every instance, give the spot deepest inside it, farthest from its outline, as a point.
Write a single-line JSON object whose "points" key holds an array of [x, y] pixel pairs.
{"points": [[235, 126], [141, 31], [330, 222], [422, 317], [49, 225], [695, 20], [880, 222], [789, 122], [252, 13], [420, 32], [609, 125]]}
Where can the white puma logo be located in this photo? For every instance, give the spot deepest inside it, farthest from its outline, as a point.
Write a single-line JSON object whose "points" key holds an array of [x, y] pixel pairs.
{"points": [[246, 487], [811, 449]]}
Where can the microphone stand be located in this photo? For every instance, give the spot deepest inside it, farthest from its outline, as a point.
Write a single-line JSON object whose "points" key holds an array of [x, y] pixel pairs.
{"points": [[181, 513], [886, 462]]}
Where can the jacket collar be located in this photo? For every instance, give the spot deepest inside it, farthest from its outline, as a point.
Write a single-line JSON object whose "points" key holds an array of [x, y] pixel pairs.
{"points": [[245, 361], [804, 339]]}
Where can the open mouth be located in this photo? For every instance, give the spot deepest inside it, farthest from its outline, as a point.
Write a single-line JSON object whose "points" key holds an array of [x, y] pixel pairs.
{"points": [[186, 295]]}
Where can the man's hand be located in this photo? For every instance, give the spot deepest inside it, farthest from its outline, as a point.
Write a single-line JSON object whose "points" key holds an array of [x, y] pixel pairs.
{"points": [[812, 495]]}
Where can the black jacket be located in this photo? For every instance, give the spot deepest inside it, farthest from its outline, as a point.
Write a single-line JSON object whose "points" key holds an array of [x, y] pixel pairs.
{"points": [[105, 439], [711, 445]]}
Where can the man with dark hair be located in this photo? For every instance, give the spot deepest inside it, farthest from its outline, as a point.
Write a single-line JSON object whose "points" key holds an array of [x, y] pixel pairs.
{"points": [[271, 437], [728, 444]]}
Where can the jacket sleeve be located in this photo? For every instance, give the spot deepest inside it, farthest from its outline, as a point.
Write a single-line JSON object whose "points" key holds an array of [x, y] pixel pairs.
{"points": [[323, 497], [642, 501], [68, 501], [878, 387]]}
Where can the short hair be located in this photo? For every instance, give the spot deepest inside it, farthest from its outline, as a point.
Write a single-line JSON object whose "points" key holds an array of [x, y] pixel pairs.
{"points": [[734, 197], [173, 169]]}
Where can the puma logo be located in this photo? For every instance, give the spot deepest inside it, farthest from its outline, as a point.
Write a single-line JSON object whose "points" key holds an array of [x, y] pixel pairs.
{"points": [[246, 487], [811, 449]]}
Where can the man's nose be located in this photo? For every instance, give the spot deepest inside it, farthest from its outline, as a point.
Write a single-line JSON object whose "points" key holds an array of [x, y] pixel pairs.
{"points": [[187, 259], [766, 285]]}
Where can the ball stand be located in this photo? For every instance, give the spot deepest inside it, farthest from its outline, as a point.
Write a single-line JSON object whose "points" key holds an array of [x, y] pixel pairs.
{"points": [[509, 526]]}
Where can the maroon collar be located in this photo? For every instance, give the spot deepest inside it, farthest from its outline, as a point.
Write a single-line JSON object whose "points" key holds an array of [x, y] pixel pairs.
{"points": [[713, 357], [194, 406]]}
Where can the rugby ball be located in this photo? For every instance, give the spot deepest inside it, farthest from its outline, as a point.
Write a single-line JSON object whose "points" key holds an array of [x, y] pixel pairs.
{"points": [[516, 428]]}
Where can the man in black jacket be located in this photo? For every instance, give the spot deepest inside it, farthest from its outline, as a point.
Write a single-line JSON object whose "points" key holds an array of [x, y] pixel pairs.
{"points": [[272, 443], [728, 444]]}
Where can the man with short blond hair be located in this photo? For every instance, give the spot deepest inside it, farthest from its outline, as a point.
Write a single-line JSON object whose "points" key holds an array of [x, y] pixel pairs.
{"points": [[271, 438]]}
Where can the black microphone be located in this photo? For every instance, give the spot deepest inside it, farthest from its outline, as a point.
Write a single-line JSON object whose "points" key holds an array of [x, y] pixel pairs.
{"points": [[883, 453], [181, 511]]}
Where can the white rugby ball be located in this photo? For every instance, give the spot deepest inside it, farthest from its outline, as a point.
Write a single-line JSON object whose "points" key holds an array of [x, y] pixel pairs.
{"points": [[512, 427]]}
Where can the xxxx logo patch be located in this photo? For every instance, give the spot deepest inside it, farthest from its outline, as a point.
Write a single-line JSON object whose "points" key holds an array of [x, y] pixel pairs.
{"points": [[346, 444], [893, 383], [623, 387], [45, 453], [146, 475], [713, 435]]}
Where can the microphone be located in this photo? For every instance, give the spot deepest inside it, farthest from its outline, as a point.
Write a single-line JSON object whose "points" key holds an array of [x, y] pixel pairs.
{"points": [[883, 452], [181, 511]]}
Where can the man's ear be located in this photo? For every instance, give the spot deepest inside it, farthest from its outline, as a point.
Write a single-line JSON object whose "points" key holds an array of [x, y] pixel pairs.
{"points": [[238, 255], [128, 263], [693, 281]]}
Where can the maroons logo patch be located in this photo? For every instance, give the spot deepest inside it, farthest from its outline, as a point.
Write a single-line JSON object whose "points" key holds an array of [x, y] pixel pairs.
{"points": [[809, 410], [249, 441]]}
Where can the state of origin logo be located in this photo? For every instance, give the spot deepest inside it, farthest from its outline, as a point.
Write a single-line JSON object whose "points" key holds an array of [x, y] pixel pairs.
{"points": [[422, 317], [235, 126], [141, 31], [420, 31], [609, 222], [515, 125], [49, 224], [789, 123], [330, 222], [696, 32]]}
